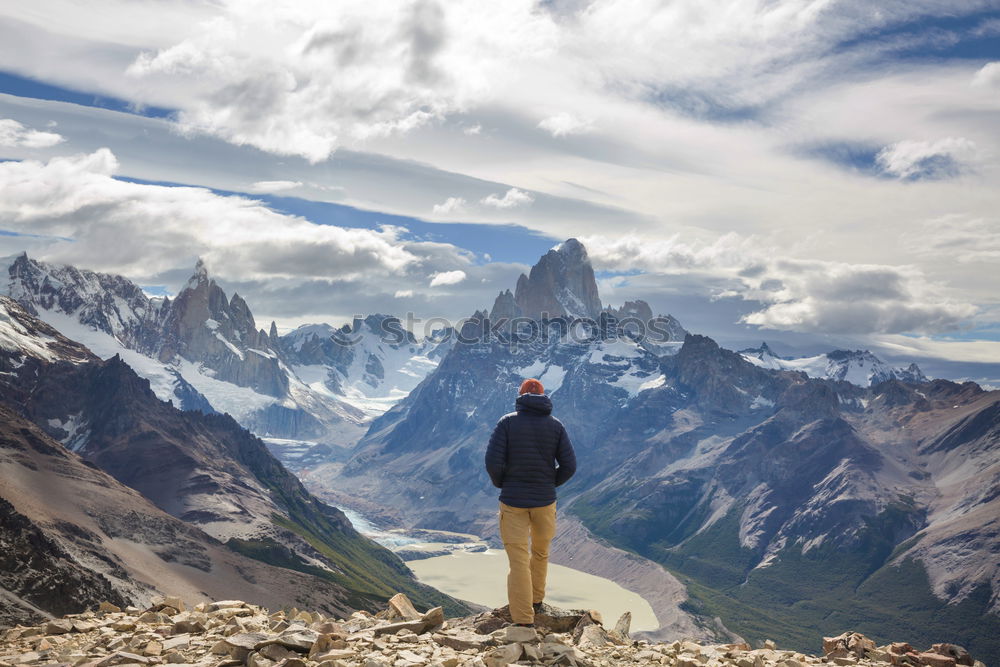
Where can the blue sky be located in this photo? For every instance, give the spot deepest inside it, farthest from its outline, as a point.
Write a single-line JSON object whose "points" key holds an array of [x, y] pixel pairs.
{"points": [[809, 173]]}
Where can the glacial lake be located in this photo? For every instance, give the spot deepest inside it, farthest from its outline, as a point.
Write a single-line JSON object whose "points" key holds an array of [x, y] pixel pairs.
{"points": [[481, 577]]}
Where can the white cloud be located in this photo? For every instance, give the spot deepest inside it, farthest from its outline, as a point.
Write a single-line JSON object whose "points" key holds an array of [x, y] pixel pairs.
{"points": [[511, 199], [450, 205], [988, 76], [274, 186], [910, 159], [141, 230], [13, 134], [259, 73], [403, 293], [308, 77], [563, 124], [812, 296], [473, 130], [447, 278]]}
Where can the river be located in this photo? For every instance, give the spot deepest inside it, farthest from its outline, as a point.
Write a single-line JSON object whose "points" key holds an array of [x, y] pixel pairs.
{"points": [[464, 567]]}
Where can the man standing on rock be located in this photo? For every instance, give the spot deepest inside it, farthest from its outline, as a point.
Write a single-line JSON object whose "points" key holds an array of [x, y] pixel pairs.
{"points": [[529, 455]]}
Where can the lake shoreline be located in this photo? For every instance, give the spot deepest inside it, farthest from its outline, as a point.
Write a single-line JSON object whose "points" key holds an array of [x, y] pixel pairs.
{"points": [[463, 566]]}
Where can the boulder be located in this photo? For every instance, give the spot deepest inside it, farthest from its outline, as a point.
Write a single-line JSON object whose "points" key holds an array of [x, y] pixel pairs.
{"points": [[592, 636], [624, 625], [531, 652], [547, 617], [59, 626], [401, 607], [240, 645], [848, 644], [518, 633], [932, 659], [433, 618], [960, 655], [585, 621], [326, 643], [504, 655]]}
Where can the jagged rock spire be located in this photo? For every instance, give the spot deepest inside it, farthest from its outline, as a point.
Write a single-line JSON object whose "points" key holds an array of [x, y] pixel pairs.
{"points": [[562, 283]]}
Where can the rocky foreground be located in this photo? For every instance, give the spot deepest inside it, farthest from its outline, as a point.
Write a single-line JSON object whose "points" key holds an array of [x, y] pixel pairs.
{"points": [[233, 633]]}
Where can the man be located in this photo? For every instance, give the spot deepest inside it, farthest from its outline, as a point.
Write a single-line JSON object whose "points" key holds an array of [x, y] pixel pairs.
{"points": [[529, 455]]}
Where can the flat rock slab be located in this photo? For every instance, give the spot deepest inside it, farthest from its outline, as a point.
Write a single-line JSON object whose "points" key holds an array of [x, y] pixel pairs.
{"points": [[463, 640], [517, 633], [247, 640], [298, 639], [121, 658]]}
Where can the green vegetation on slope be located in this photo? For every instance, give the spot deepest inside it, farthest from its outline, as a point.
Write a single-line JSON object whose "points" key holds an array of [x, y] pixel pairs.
{"points": [[368, 571]]}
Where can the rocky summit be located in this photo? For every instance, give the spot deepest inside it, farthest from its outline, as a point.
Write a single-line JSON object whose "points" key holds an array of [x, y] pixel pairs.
{"points": [[232, 633]]}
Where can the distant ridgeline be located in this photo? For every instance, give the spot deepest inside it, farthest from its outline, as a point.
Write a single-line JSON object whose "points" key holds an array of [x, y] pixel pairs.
{"points": [[793, 498]]}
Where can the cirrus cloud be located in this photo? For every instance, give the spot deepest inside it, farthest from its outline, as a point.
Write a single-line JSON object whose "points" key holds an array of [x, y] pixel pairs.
{"points": [[274, 186]]}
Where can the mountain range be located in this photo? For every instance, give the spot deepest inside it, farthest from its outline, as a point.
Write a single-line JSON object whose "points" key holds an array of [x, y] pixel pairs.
{"points": [[112, 491], [785, 498], [791, 497]]}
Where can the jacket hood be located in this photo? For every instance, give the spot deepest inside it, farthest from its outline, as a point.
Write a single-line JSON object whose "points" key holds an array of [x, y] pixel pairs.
{"points": [[539, 403]]}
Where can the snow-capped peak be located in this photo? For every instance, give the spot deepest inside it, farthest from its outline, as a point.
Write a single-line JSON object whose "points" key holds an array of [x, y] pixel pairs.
{"points": [[859, 367]]}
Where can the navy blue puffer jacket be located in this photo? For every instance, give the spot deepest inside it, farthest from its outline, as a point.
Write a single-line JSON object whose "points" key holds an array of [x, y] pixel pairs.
{"points": [[529, 454]]}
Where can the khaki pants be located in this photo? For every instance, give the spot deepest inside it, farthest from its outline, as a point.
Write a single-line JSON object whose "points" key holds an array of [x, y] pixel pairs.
{"points": [[528, 565]]}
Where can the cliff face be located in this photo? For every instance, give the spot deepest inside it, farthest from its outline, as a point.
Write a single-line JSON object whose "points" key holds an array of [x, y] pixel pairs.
{"points": [[561, 284], [202, 326]]}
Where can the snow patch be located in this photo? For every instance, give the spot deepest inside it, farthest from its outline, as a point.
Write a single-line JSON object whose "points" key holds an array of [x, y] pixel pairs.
{"points": [[15, 338], [232, 348]]}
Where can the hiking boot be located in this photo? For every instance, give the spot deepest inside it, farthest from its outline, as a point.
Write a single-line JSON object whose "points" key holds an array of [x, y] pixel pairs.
{"points": [[537, 606]]}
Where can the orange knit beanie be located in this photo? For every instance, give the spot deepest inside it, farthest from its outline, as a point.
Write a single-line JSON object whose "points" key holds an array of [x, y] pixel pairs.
{"points": [[531, 386]]}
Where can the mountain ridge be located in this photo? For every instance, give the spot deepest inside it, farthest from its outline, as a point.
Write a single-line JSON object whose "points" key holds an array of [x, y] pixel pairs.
{"points": [[203, 469]]}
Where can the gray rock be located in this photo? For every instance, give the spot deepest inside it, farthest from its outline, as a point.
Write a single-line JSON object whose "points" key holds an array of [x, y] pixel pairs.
{"points": [[503, 656], [178, 641], [393, 628], [123, 657], [247, 640], [59, 626], [401, 607], [592, 636], [461, 640], [623, 626], [516, 633], [296, 638]]}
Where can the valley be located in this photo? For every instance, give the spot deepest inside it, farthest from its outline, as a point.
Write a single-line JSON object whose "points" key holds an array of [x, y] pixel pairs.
{"points": [[720, 495]]}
